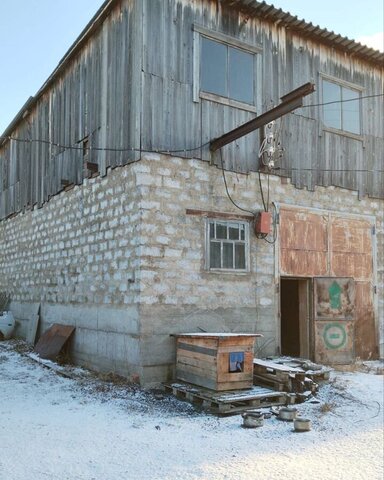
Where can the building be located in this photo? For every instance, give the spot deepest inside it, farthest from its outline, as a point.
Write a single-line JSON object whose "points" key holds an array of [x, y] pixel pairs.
{"points": [[117, 218]]}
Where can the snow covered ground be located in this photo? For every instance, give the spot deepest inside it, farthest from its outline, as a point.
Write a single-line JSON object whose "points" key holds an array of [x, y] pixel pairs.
{"points": [[88, 429]]}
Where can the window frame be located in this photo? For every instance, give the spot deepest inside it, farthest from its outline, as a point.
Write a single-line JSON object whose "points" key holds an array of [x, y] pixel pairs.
{"points": [[246, 242], [255, 50], [342, 84]]}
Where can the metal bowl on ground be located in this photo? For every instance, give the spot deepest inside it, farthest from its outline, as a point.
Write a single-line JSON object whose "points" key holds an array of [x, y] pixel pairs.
{"points": [[302, 424], [253, 419], [287, 413]]}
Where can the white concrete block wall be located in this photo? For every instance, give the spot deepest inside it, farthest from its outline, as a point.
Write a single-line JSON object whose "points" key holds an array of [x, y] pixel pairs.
{"points": [[119, 258], [78, 257], [179, 294]]}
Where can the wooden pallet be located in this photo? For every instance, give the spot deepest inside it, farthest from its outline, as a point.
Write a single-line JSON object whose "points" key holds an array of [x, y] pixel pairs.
{"points": [[282, 377], [228, 403], [272, 382], [281, 372], [320, 374]]}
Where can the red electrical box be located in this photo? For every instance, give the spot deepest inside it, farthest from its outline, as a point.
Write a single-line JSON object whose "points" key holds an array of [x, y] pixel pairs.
{"points": [[263, 223]]}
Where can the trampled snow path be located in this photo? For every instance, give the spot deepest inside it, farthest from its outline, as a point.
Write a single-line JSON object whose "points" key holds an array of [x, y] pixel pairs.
{"points": [[57, 428]]}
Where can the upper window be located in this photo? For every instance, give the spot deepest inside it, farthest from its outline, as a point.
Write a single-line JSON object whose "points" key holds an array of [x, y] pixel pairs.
{"points": [[344, 114], [227, 71], [227, 245]]}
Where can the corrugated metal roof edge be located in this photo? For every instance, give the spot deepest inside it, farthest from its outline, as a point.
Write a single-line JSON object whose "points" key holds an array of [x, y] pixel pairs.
{"points": [[262, 9], [272, 14]]}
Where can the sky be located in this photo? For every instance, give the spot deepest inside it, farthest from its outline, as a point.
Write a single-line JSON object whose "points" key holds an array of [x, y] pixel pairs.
{"points": [[35, 35]]}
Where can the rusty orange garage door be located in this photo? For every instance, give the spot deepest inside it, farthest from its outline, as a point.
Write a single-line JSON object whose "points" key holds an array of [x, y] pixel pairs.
{"points": [[324, 244]]}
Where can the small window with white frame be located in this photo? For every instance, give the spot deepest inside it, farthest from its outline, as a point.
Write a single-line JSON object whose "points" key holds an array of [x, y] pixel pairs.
{"points": [[227, 245], [341, 106]]}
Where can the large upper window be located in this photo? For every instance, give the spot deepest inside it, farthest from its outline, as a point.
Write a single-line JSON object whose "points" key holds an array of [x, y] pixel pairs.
{"points": [[227, 245], [227, 71], [345, 113]]}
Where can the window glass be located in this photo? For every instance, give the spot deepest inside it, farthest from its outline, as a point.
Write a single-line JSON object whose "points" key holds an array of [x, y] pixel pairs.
{"points": [[227, 245], [215, 255], [332, 113], [233, 232], [227, 71], [351, 110], [345, 114], [240, 75], [221, 231], [227, 255], [214, 67], [240, 256]]}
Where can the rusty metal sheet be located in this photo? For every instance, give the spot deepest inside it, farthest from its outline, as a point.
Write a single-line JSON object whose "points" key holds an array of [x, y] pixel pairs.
{"points": [[53, 340], [334, 298], [364, 294], [303, 263], [334, 342], [303, 243], [351, 255], [350, 235], [303, 230], [358, 266], [366, 344]]}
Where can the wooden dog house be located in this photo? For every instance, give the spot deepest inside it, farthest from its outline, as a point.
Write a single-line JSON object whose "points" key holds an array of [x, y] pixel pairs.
{"points": [[219, 361]]}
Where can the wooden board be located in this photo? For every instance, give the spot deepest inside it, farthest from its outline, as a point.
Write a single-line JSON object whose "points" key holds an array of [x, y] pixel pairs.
{"points": [[228, 403], [53, 340]]}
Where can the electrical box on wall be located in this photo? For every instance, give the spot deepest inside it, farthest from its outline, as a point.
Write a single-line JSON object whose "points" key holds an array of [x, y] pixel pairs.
{"points": [[263, 223]]}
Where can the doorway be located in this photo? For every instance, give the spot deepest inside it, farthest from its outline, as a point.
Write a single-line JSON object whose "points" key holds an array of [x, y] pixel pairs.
{"points": [[294, 317]]}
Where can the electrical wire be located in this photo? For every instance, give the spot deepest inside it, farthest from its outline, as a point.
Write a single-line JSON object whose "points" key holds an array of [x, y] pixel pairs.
{"points": [[274, 224], [343, 101], [102, 149], [163, 151], [226, 188], [334, 170], [260, 236], [262, 193]]}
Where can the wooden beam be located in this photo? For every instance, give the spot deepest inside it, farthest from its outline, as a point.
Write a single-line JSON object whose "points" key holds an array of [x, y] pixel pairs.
{"points": [[290, 102], [211, 214]]}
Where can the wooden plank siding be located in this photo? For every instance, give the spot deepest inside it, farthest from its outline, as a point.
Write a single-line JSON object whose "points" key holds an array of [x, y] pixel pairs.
{"points": [[130, 85], [97, 96]]}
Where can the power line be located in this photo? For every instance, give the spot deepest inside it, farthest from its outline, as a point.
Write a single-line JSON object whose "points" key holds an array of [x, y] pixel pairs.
{"points": [[332, 170], [101, 149], [164, 151], [226, 188], [343, 101]]}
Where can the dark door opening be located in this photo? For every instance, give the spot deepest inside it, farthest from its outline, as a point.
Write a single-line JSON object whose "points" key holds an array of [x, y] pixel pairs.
{"points": [[294, 317]]}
